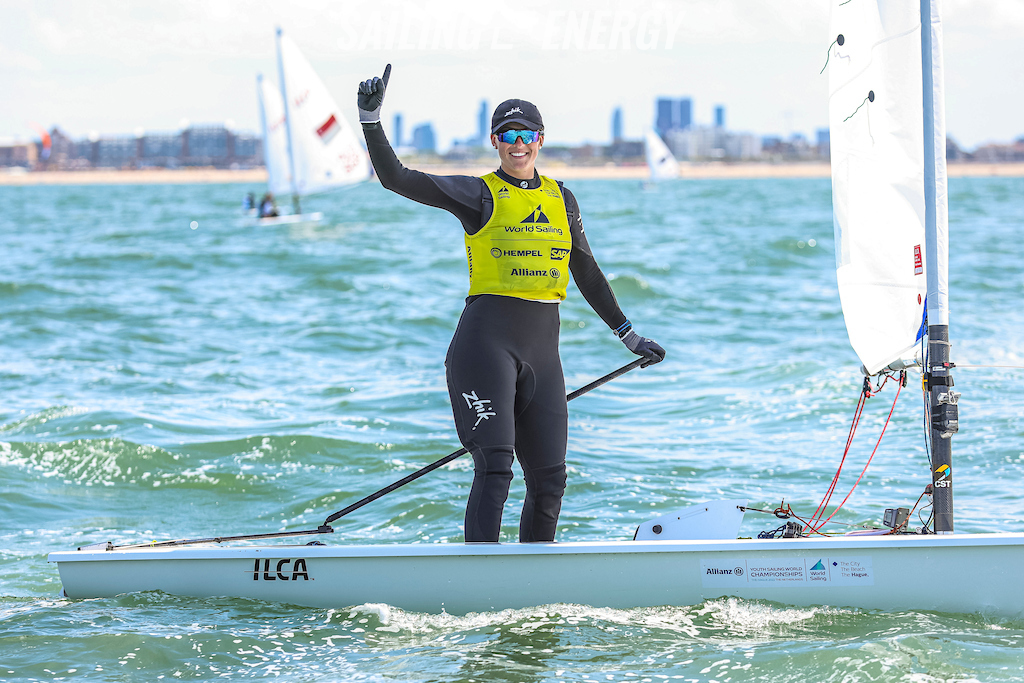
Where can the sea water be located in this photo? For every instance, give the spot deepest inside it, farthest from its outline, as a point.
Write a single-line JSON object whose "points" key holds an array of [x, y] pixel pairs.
{"points": [[168, 370]]}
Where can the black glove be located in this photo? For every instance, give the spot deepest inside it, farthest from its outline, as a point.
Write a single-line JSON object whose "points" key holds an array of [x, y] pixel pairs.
{"points": [[371, 96], [641, 346]]}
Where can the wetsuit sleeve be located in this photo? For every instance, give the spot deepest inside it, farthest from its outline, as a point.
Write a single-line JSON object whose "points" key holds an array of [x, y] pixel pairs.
{"points": [[585, 271], [458, 194]]}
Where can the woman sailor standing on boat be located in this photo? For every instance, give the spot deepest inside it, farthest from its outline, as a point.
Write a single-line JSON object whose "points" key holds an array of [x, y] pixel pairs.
{"points": [[523, 236]]}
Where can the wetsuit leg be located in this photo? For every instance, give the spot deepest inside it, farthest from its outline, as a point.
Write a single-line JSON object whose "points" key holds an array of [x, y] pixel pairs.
{"points": [[541, 433], [481, 376], [507, 391]]}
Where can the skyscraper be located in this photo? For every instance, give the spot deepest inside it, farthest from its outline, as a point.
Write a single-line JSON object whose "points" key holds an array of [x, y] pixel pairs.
{"points": [[423, 138], [666, 112], [720, 116], [481, 130], [617, 124], [397, 141], [685, 119], [673, 114]]}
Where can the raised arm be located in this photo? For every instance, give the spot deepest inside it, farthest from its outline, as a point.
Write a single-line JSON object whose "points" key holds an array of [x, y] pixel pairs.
{"points": [[459, 195]]}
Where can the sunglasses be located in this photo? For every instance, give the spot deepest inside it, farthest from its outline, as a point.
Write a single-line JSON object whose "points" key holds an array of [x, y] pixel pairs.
{"points": [[527, 136]]}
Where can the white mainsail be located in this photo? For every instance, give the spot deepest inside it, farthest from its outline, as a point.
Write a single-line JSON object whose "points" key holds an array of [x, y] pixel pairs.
{"points": [[877, 122], [325, 152], [275, 140], [659, 159]]}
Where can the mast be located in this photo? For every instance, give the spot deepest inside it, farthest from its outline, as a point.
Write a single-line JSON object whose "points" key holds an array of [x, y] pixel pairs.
{"points": [[287, 122], [942, 400]]}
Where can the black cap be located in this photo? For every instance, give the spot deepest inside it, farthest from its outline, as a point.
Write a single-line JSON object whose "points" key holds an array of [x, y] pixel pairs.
{"points": [[516, 111]]}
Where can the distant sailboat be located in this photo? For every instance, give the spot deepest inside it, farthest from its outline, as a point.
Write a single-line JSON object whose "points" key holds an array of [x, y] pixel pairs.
{"points": [[662, 164], [308, 146]]}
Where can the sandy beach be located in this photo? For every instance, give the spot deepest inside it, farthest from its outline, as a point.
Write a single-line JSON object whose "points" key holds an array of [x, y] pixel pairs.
{"points": [[258, 175]]}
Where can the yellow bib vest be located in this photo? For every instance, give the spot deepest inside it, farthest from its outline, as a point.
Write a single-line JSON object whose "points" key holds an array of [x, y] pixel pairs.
{"points": [[523, 250]]}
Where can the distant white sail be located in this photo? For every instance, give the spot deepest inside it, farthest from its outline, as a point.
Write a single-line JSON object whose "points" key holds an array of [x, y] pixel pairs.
{"points": [[275, 141], [326, 153], [659, 159], [876, 120]]}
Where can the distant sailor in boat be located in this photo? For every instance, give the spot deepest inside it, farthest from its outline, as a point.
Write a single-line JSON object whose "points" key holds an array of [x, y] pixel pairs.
{"points": [[524, 235], [268, 209]]}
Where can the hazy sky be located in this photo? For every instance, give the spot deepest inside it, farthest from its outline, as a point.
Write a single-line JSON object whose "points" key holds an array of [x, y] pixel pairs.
{"points": [[117, 66]]}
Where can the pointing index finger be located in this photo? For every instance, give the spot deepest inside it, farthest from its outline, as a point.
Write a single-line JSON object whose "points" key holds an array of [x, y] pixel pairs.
{"points": [[387, 75]]}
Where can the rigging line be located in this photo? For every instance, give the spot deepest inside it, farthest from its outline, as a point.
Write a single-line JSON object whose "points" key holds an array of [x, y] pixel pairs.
{"points": [[1013, 367], [792, 514], [907, 520], [867, 64], [865, 393], [828, 53], [899, 387], [869, 98], [927, 413], [823, 505]]}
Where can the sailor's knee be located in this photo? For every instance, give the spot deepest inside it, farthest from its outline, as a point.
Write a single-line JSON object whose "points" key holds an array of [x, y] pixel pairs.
{"points": [[548, 481], [493, 462]]}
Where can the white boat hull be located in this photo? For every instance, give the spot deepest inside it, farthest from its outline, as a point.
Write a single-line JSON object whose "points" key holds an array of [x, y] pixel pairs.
{"points": [[289, 219], [980, 573]]}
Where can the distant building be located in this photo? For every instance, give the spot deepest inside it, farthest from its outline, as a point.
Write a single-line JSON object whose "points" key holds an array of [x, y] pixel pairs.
{"points": [[703, 143], [625, 151], [423, 138], [685, 112], [483, 132], [824, 145], [795, 148], [720, 116], [206, 145], [1000, 153], [673, 114], [665, 115], [617, 125], [161, 149], [210, 145], [397, 140], [18, 152], [953, 151], [742, 146]]}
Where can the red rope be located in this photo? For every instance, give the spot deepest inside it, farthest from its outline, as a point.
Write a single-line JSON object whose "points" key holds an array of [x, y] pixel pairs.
{"points": [[877, 443], [823, 505]]}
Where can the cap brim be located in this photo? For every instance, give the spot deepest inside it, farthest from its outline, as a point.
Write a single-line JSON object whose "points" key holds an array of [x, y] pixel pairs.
{"points": [[531, 124]]}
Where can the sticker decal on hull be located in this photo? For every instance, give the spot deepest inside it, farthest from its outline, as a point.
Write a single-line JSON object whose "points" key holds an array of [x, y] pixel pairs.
{"points": [[280, 570], [783, 572]]}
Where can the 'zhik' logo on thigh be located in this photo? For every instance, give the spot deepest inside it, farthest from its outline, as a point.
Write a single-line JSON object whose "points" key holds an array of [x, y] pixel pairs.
{"points": [[478, 404]]}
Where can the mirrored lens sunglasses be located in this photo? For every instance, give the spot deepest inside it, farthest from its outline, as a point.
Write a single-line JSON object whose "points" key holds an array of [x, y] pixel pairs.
{"points": [[527, 136]]}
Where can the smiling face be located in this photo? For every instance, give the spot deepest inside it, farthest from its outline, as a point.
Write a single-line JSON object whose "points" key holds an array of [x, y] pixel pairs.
{"points": [[518, 159]]}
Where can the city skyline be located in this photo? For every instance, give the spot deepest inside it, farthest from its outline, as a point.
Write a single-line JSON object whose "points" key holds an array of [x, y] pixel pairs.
{"points": [[111, 71]]}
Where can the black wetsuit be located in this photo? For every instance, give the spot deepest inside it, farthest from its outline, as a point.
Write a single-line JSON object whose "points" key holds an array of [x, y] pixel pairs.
{"points": [[504, 374]]}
